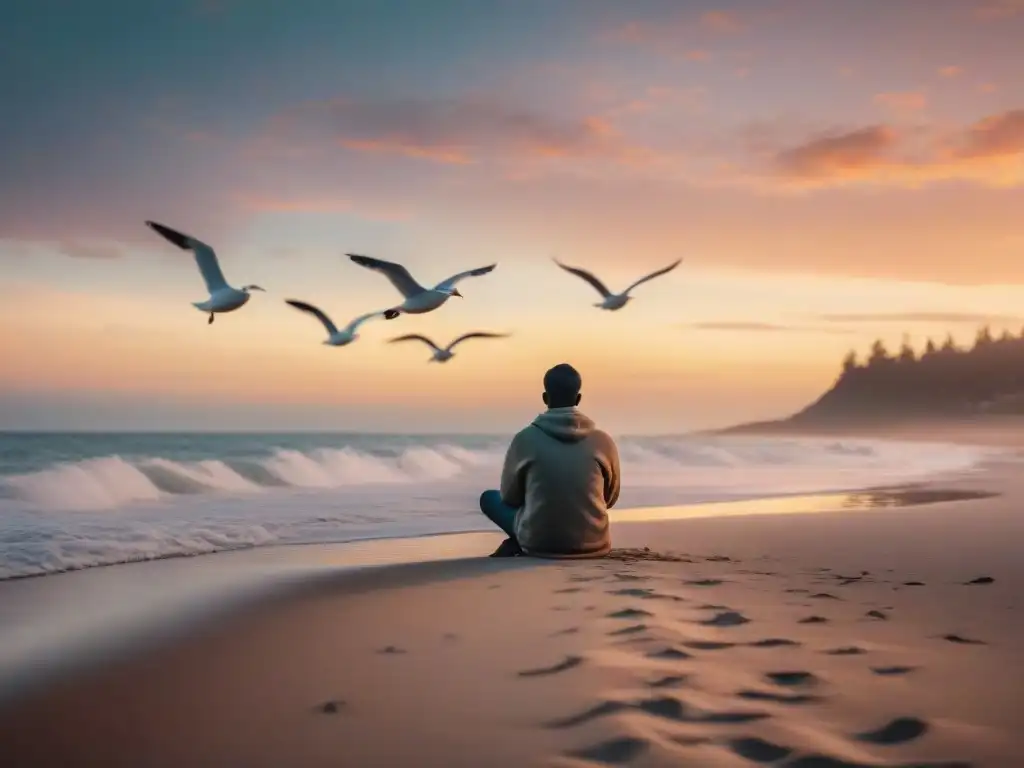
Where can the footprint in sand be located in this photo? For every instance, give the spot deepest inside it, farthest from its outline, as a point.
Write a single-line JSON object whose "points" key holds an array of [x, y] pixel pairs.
{"points": [[568, 590], [813, 620], [612, 752], [632, 592], [877, 615], [569, 662], [980, 580], [671, 653], [913, 584], [567, 631], [331, 707], [704, 583], [773, 642], [824, 761], [850, 650], [891, 671], [726, 619], [669, 681], [824, 596], [797, 679], [798, 591], [778, 698], [665, 707], [707, 645], [629, 613], [898, 731], [633, 629], [713, 607], [391, 649], [758, 750], [963, 640]]}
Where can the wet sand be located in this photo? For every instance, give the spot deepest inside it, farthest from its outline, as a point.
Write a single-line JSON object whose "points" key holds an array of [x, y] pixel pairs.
{"points": [[869, 636]]}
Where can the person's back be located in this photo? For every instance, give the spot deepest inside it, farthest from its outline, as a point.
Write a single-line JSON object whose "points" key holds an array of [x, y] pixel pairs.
{"points": [[560, 477]]}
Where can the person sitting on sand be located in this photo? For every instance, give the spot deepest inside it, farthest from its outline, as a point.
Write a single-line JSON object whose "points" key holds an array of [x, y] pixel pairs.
{"points": [[560, 478]]}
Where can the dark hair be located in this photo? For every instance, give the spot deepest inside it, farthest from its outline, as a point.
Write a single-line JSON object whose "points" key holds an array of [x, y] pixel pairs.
{"points": [[562, 385]]}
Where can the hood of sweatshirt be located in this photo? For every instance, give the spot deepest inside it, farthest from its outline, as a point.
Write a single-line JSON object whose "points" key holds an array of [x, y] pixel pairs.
{"points": [[565, 424]]}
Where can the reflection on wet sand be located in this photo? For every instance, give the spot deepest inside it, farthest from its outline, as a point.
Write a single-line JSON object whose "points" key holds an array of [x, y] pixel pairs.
{"points": [[871, 498]]}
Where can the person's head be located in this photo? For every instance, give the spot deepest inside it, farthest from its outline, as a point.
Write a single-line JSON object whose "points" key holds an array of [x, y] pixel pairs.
{"points": [[562, 386]]}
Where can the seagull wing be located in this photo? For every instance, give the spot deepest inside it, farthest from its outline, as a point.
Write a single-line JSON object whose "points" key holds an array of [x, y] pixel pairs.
{"points": [[396, 273], [653, 275], [206, 258], [354, 325], [416, 337], [582, 273], [476, 335], [454, 279], [318, 314]]}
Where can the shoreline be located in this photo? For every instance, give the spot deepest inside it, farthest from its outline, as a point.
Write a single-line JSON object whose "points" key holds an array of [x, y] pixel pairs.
{"points": [[38, 644]]}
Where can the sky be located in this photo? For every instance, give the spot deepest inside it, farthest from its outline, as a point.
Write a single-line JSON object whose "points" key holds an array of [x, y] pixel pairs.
{"points": [[830, 172]]}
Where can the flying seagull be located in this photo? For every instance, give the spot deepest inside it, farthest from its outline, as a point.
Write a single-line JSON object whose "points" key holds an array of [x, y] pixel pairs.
{"points": [[223, 298], [335, 337], [446, 354], [417, 298], [613, 301]]}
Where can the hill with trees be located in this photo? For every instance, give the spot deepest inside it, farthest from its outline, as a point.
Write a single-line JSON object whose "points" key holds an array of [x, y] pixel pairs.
{"points": [[944, 381]]}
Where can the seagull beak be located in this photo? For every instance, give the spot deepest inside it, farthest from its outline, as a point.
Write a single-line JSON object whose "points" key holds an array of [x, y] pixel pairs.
{"points": [[455, 292]]}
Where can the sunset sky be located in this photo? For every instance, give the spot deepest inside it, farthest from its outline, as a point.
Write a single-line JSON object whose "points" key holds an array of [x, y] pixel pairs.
{"points": [[830, 171]]}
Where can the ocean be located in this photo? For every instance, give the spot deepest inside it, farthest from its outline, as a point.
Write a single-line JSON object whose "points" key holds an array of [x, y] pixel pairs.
{"points": [[70, 501]]}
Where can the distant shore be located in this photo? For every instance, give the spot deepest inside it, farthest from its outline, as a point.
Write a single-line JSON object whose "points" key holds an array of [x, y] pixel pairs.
{"points": [[1001, 430]]}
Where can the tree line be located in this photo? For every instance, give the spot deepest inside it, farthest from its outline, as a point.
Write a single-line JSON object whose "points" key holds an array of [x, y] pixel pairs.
{"points": [[943, 380]]}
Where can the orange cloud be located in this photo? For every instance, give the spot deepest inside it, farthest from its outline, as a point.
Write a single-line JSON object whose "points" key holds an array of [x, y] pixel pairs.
{"points": [[951, 71], [989, 151], [670, 35], [720, 21], [902, 101], [996, 136], [839, 155], [398, 146], [999, 9], [453, 132]]}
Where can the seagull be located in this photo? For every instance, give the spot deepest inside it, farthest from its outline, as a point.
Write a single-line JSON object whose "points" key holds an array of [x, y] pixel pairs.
{"points": [[223, 298], [335, 337], [613, 301], [446, 354], [417, 298]]}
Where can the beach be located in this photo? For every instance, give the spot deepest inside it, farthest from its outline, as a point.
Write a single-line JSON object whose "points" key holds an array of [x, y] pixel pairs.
{"points": [[861, 634]]}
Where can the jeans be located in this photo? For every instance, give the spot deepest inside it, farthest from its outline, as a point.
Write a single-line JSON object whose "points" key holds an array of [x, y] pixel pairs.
{"points": [[498, 512]]}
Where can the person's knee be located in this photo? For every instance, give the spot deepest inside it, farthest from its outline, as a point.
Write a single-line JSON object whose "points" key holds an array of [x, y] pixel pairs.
{"points": [[488, 498]]}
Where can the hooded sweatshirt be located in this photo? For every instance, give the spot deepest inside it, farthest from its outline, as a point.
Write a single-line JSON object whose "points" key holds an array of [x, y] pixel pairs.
{"points": [[562, 473]]}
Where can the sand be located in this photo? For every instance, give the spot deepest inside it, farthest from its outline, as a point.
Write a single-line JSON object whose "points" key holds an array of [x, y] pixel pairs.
{"points": [[864, 637]]}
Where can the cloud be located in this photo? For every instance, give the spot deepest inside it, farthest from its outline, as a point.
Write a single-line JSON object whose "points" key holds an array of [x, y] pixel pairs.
{"points": [[450, 131], [951, 71], [971, 318], [992, 137], [79, 249], [745, 326], [676, 35], [989, 151], [902, 101], [992, 10], [720, 21], [838, 155]]}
